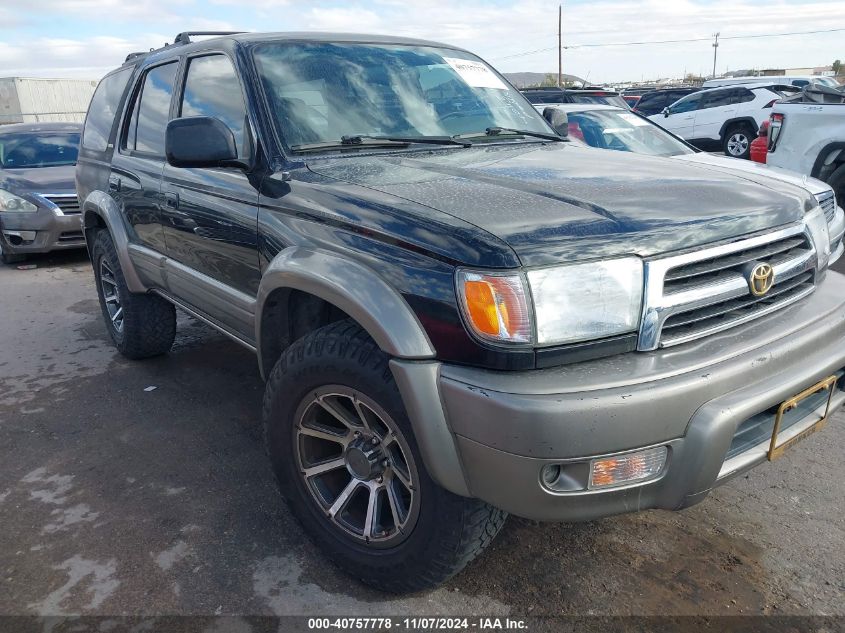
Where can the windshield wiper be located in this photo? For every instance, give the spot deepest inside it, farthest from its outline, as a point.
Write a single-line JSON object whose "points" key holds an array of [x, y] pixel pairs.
{"points": [[498, 131], [363, 140]]}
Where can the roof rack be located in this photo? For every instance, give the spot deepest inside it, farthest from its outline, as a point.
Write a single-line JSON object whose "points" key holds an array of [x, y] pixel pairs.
{"points": [[180, 40], [185, 36]]}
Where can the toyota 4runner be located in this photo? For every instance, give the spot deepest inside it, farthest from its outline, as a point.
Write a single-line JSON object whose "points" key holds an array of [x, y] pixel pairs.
{"points": [[458, 313]]}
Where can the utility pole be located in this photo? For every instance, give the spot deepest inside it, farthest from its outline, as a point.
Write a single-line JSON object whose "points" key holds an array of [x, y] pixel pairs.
{"points": [[560, 45], [715, 50]]}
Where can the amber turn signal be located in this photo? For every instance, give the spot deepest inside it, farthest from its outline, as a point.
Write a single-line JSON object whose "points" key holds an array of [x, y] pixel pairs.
{"points": [[496, 307]]}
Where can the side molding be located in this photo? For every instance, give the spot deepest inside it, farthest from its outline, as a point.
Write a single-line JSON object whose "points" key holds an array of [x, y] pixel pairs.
{"points": [[353, 288], [103, 206]]}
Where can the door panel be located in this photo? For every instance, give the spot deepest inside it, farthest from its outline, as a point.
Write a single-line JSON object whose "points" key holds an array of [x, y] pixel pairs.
{"points": [[211, 224], [715, 109], [681, 119], [135, 184]]}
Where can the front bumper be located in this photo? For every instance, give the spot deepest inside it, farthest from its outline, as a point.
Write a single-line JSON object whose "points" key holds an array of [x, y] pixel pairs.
{"points": [[41, 231], [691, 398]]}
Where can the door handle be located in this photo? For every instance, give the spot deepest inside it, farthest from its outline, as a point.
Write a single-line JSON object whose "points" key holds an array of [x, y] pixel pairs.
{"points": [[114, 183], [171, 200]]}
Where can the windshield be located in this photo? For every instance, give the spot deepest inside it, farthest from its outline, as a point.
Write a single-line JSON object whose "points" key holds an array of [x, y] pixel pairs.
{"points": [[321, 92], [44, 149], [623, 131]]}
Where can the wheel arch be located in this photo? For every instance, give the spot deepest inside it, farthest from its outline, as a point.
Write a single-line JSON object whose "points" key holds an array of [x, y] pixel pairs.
{"points": [[820, 169], [743, 119], [344, 284], [100, 211]]}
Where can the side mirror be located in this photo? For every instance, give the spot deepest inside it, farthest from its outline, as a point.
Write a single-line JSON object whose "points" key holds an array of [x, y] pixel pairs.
{"points": [[200, 141], [665, 112], [558, 120]]}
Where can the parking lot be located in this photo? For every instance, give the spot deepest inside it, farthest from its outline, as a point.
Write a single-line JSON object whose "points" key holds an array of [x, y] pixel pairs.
{"points": [[142, 488]]}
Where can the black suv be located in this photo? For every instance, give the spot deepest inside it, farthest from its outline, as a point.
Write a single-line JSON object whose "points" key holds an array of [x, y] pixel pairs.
{"points": [[458, 313], [551, 96], [655, 101]]}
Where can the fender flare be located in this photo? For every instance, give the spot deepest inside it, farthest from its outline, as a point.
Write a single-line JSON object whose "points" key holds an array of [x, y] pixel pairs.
{"points": [[743, 119], [103, 206], [351, 287], [377, 307]]}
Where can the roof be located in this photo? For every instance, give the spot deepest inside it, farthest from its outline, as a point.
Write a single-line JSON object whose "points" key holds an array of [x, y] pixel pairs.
{"points": [[40, 127], [297, 36]]}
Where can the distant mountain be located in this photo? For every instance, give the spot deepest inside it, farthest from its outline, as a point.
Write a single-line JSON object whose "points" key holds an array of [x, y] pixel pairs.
{"points": [[525, 80]]}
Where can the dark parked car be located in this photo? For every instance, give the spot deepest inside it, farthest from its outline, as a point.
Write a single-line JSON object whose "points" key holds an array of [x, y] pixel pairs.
{"points": [[655, 101], [39, 210], [541, 96], [458, 313]]}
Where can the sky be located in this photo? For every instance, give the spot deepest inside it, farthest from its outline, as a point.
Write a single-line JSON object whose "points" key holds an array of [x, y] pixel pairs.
{"points": [[86, 38]]}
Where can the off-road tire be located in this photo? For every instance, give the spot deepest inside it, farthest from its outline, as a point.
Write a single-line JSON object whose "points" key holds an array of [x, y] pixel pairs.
{"points": [[149, 322], [738, 130], [450, 530]]}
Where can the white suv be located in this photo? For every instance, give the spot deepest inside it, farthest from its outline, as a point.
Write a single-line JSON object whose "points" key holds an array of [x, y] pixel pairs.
{"points": [[729, 116]]}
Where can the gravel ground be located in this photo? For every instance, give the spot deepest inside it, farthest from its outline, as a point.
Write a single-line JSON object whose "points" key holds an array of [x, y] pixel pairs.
{"points": [[142, 488]]}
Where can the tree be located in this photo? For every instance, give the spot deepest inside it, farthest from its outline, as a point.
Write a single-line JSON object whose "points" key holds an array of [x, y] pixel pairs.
{"points": [[550, 81], [837, 67]]}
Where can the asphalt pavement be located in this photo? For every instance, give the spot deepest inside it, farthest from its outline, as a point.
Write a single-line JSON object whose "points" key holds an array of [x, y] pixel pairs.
{"points": [[142, 488]]}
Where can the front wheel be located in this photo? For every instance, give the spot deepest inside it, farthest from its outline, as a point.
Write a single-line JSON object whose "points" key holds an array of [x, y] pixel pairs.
{"points": [[347, 462], [737, 141]]}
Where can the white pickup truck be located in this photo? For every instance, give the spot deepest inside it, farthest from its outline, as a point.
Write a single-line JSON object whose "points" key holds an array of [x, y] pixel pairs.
{"points": [[808, 137]]}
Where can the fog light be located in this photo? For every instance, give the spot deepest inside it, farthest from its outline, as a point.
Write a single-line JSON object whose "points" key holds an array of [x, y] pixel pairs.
{"points": [[628, 468], [550, 474]]}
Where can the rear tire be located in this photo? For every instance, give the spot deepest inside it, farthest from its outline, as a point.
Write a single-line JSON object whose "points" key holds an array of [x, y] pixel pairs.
{"points": [[140, 325], [331, 391], [737, 140], [837, 182]]}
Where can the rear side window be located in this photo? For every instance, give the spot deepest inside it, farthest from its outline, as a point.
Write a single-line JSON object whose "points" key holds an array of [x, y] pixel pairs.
{"points": [[717, 99], [101, 112], [743, 95], [152, 111], [212, 89]]}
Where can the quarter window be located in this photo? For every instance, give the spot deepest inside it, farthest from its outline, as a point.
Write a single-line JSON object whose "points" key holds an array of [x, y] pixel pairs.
{"points": [[152, 111], [101, 112], [212, 89]]}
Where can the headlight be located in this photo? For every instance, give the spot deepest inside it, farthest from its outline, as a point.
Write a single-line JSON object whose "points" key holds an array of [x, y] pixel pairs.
{"points": [[11, 202], [587, 301], [571, 303], [817, 224]]}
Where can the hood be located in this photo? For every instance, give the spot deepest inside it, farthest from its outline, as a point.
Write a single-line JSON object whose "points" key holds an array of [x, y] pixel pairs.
{"points": [[810, 184], [39, 180], [564, 202]]}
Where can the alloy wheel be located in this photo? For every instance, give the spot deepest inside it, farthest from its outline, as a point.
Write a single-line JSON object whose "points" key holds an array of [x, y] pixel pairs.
{"points": [[357, 466], [738, 144], [110, 296]]}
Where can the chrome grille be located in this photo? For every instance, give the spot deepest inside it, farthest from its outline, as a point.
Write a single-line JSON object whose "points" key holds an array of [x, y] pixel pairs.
{"points": [[697, 294], [68, 203], [827, 201]]}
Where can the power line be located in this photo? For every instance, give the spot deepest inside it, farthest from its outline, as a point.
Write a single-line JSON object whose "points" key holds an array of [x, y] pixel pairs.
{"points": [[681, 41]]}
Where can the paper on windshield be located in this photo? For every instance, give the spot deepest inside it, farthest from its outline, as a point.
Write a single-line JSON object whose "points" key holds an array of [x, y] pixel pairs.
{"points": [[633, 119], [475, 74]]}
